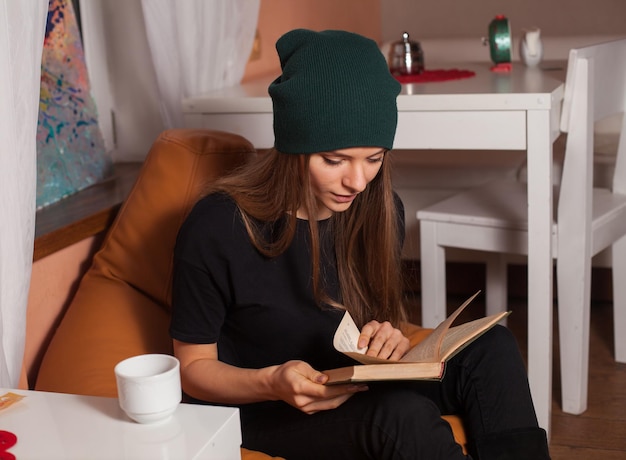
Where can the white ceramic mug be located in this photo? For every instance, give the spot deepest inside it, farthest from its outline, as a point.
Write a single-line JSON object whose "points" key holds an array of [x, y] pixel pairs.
{"points": [[148, 387]]}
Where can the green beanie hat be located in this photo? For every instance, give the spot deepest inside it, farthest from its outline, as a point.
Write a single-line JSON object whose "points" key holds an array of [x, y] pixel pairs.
{"points": [[335, 92]]}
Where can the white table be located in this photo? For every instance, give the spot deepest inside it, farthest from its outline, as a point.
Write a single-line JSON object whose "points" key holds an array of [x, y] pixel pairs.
{"points": [[498, 111], [59, 426]]}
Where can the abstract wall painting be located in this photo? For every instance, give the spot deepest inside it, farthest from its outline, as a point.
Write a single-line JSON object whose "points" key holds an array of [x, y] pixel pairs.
{"points": [[70, 148]]}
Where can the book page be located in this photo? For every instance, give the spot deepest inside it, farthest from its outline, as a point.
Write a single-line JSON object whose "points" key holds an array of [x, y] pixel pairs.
{"points": [[346, 341], [346, 337], [459, 337], [429, 349]]}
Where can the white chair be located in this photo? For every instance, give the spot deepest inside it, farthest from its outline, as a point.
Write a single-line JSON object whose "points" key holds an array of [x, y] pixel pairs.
{"points": [[494, 218]]}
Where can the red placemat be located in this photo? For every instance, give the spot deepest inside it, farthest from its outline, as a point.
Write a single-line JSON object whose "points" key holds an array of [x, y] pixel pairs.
{"points": [[429, 76]]}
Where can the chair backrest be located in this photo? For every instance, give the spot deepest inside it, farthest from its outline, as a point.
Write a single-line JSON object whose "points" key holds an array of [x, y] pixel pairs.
{"points": [[595, 89], [608, 85]]}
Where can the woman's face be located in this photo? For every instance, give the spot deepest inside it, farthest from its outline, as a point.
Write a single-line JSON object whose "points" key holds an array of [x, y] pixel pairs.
{"points": [[337, 177]]}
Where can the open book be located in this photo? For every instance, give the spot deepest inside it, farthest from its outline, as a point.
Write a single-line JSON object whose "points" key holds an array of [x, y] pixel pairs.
{"points": [[425, 361]]}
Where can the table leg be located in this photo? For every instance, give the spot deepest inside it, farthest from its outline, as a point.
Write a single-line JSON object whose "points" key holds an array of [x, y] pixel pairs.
{"points": [[540, 266]]}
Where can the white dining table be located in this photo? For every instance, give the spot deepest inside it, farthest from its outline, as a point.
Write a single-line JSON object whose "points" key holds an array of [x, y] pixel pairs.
{"points": [[517, 110]]}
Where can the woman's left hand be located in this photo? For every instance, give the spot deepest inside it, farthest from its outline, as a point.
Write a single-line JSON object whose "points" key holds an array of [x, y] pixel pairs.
{"points": [[383, 341]]}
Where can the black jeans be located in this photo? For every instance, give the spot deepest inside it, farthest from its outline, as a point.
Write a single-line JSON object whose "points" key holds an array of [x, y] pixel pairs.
{"points": [[485, 383]]}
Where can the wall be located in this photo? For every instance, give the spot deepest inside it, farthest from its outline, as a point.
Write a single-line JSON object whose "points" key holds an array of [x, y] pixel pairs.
{"points": [[279, 16], [133, 89], [457, 18]]}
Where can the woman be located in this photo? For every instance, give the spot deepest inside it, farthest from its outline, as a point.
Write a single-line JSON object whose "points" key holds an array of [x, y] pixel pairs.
{"points": [[267, 261]]}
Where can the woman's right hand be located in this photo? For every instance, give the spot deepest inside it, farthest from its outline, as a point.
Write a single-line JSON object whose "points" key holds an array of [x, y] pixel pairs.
{"points": [[301, 386]]}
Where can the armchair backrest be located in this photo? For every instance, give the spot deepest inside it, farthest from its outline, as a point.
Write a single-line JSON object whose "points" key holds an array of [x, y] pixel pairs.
{"points": [[139, 246], [122, 305]]}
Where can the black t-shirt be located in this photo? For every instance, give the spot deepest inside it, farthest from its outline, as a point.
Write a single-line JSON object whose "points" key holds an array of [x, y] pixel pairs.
{"points": [[260, 311]]}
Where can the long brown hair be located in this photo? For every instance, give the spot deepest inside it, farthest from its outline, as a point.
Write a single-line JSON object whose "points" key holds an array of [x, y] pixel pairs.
{"points": [[272, 188]]}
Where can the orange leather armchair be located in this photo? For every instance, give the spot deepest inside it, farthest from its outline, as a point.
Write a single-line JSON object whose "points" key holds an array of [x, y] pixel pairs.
{"points": [[122, 305]]}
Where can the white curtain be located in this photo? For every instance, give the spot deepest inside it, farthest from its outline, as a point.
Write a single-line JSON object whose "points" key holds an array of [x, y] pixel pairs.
{"points": [[22, 29], [197, 46]]}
